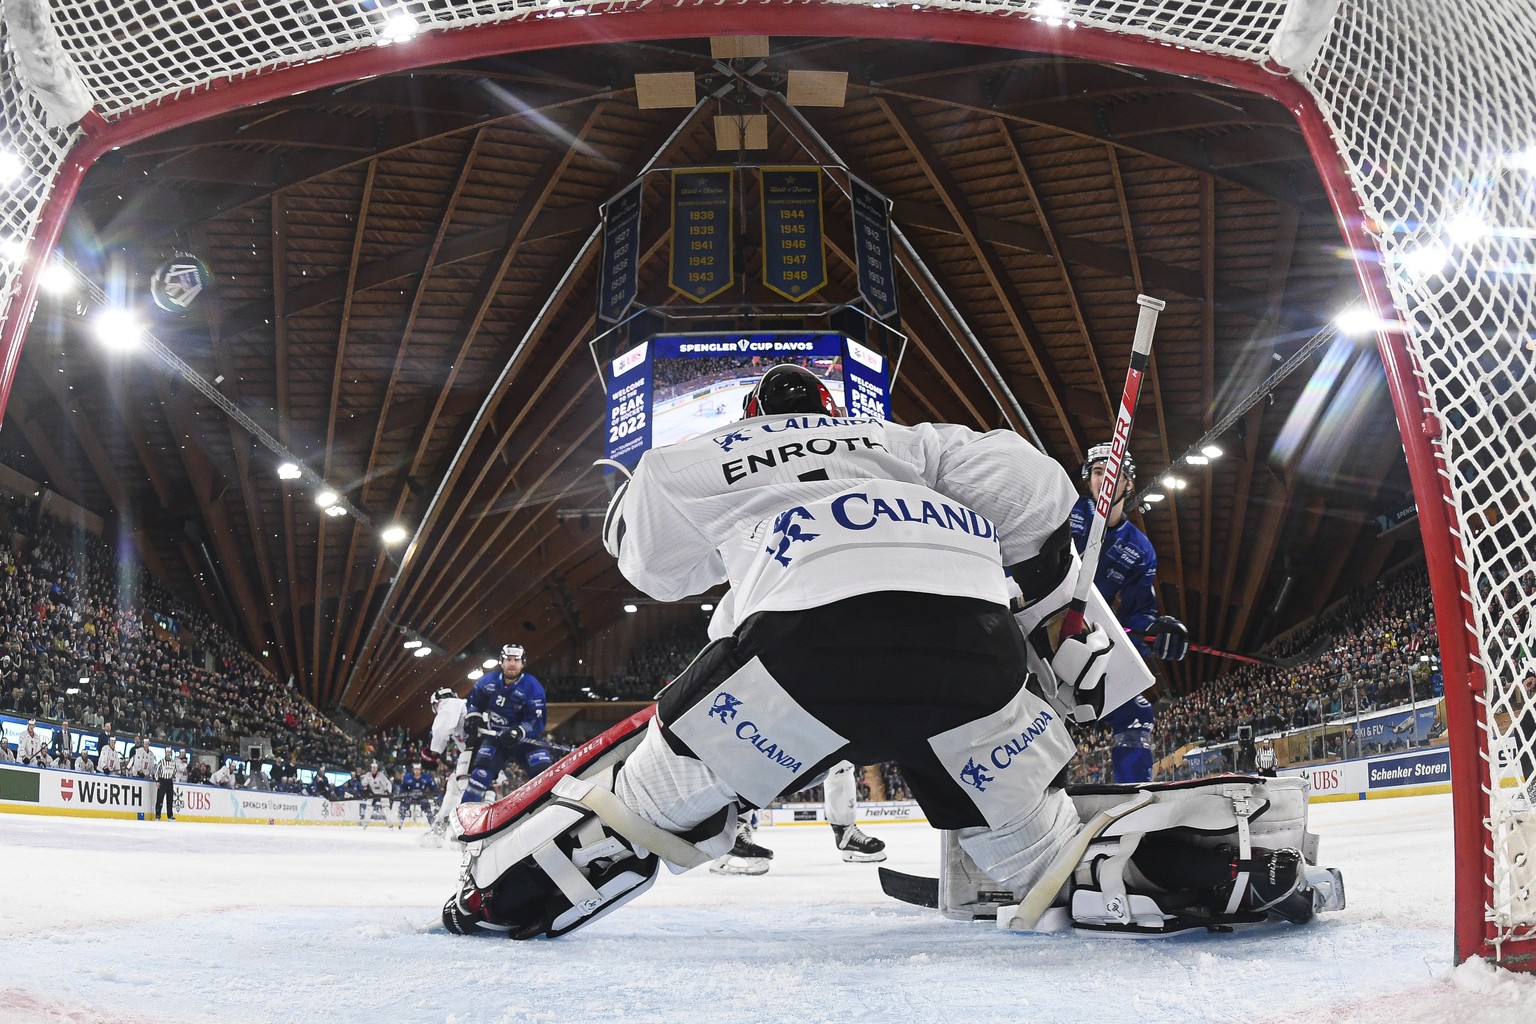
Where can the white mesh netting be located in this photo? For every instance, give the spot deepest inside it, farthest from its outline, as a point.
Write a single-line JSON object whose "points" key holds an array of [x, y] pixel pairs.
{"points": [[1430, 102]]}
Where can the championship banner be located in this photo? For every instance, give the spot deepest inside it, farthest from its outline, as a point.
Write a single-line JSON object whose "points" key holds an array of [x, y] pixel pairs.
{"points": [[702, 232], [872, 253], [794, 256], [629, 405], [618, 276]]}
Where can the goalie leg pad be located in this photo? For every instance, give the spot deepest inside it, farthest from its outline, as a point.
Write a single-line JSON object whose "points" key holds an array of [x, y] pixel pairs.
{"points": [[1211, 854], [578, 857]]}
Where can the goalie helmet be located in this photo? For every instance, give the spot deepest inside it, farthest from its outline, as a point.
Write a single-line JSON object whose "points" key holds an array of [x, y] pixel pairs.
{"points": [[789, 388], [1100, 453], [440, 695]]}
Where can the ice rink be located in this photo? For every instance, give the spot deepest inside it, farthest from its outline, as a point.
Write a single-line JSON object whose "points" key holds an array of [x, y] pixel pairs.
{"points": [[117, 921]]}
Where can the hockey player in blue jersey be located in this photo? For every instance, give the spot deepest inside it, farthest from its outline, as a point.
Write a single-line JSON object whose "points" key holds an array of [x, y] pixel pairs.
{"points": [[1127, 564], [1127, 573], [504, 710], [1131, 726], [417, 789]]}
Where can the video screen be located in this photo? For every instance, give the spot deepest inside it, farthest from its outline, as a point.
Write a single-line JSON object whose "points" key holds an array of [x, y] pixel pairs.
{"points": [[673, 387]]}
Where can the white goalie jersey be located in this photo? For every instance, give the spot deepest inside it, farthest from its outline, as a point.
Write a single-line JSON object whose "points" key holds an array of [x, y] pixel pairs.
{"points": [[802, 510]]}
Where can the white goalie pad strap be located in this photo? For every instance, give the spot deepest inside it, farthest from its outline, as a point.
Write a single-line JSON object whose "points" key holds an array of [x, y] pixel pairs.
{"points": [[1026, 915], [1243, 808], [571, 882], [669, 847], [1209, 813], [1111, 877]]}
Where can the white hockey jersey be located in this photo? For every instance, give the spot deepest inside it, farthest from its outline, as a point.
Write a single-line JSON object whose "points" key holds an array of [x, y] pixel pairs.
{"points": [[448, 725], [225, 776], [141, 762], [108, 761], [377, 784], [798, 511], [30, 747]]}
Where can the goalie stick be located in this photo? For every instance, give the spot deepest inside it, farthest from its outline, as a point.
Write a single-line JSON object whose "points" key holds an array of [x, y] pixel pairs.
{"points": [[1146, 322], [1313, 651]]}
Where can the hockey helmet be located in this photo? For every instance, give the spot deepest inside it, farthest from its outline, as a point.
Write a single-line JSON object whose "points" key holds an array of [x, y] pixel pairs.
{"points": [[373, 766], [789, 388], [512, 651], [1100, 453], [416, 767], [440, 695]]}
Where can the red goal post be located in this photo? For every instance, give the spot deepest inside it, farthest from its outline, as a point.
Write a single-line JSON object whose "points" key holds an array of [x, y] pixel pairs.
{"points": [[1417, 113]]}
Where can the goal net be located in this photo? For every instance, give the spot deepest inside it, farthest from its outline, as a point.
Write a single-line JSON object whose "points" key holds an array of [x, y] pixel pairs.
{"points": [[1418, 113]]}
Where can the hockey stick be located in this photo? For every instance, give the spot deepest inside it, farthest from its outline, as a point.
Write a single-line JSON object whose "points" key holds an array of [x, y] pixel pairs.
{"points": [[1306, 657], [918, 890], [1141, 347]]}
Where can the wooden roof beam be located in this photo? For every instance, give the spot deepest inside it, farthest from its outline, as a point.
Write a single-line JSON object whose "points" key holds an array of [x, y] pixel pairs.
{"points": [[916, 141]]}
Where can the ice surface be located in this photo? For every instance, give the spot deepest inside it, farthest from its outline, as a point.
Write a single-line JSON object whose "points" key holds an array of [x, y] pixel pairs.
{"points": [[108, 921]]}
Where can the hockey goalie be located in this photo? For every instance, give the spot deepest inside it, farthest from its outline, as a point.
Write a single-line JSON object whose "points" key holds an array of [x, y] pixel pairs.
{"points": [[868, 620]]}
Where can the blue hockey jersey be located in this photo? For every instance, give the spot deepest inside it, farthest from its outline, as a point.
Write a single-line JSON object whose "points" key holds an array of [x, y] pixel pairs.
{"points": [[506, 704], [1127, 569], [412, 784]]}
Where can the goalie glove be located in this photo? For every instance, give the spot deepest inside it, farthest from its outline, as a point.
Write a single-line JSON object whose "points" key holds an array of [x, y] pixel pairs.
{"points": [[1081, 664], [1168, 638]]}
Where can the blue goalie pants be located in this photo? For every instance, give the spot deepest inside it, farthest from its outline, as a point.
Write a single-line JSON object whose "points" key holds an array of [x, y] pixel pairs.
{"points": [[873, 678]]}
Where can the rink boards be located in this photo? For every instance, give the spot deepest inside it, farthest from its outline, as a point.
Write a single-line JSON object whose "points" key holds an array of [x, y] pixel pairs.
{"points": [[27, 790]]}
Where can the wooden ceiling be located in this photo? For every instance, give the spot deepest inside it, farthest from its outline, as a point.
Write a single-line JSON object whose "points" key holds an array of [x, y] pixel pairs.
{"points": [[405, 291]]}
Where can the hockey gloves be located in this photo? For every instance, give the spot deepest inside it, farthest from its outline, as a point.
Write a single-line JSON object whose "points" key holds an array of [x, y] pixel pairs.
{"points": [[1081, 664], [1168, 638]]}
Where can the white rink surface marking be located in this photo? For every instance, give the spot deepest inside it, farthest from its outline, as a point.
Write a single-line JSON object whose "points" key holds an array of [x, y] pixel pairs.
{"points": [[116, 921]]}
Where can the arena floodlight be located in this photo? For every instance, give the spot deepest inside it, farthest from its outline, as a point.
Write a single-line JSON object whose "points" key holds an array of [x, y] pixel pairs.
{"points": [[1424, 262], [335, 511], [327, 498], [401, 27], [1211, 451], [289, 471], [394, 534], [423, 651], [13, 250], [1197, 459], [631, 608], [12, 167], [411, 645], [488, 663], [474, 675], [118, 328], [56, 280], [1152, 496], [706, 606]]}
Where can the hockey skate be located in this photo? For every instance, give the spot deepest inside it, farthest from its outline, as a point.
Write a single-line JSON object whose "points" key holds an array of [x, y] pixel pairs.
{"points": [[856, 847], [745, 858]]}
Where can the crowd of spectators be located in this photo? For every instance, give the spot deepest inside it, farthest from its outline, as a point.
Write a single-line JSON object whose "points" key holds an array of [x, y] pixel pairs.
{"points": [[92, 640], [87, 639]]}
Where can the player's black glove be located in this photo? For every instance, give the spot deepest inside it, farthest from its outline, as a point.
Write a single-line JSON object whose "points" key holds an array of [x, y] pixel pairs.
{"points": [[1169, 638], [512, 735], [474, 725]]}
